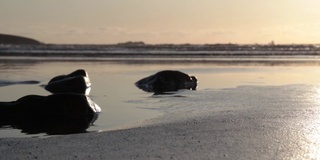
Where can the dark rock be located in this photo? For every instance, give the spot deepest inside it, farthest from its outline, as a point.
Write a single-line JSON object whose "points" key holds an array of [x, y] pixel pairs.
{"points": [[54, 114], [166, 81], [75, 82]]}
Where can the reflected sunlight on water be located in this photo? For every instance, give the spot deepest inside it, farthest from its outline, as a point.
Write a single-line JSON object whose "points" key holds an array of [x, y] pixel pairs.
{"points": [[122, 103], [312, 130]]}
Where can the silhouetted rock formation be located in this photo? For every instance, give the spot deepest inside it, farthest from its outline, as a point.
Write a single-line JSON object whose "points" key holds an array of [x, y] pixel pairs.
{"points": [[75, 82], [12, 39], [166, 81], [64, 113]]}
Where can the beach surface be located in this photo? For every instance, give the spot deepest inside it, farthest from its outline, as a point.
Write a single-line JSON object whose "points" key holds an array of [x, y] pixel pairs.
{"points": [[247, 122]]}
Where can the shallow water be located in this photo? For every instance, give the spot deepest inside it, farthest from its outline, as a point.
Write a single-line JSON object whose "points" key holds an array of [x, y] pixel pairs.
{"points": [[121, 102]]}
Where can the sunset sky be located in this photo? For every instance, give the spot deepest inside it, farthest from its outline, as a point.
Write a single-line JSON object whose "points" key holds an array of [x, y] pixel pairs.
{"points": [[163, 21]]}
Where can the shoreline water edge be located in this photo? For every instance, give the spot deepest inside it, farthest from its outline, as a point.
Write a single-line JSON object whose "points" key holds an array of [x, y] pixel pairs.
{"points": [[248, 122]]}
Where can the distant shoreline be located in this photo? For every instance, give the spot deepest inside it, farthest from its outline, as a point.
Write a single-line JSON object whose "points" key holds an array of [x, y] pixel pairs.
{"points": [[165, 50], [139, 53], [293, 61]]}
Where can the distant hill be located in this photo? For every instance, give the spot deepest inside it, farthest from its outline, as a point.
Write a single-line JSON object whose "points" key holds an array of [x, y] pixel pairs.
{"points": [[12, 39]]}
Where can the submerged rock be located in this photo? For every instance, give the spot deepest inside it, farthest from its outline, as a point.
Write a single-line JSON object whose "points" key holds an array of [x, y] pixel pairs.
{"points": [[10, 82], [166, 81]]}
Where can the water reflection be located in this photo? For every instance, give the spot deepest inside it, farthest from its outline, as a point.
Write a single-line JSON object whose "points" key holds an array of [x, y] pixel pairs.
{"points": [[69, 110], [166, 81], [312, 128]]}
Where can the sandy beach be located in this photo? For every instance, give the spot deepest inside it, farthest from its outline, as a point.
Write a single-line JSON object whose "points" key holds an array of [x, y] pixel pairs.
{"points": [[149, 80], [248, 122]]}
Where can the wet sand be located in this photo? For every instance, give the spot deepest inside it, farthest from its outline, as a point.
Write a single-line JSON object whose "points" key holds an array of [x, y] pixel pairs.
{"points": [[248, 122]]}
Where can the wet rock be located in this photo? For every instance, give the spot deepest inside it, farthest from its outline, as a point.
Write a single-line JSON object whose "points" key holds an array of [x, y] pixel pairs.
{"points": [[166, 81], [75, 82], [63, 113]]}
